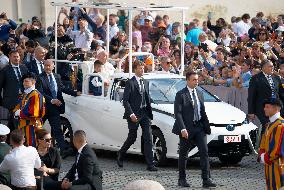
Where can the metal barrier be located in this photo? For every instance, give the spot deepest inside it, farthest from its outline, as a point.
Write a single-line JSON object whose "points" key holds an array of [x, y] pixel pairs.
{"points": [[234, 96]]}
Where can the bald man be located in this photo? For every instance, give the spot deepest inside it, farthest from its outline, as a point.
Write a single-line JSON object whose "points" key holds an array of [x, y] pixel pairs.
{"points": [[85, 173], [49, 84], [36, 65]]}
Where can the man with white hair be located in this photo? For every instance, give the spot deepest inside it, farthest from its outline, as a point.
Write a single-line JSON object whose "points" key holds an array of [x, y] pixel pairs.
{"points": [[144, 185], [107, 68]]}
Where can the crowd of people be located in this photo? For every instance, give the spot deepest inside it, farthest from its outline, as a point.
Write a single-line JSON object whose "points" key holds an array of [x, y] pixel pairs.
{"points": [[231, 54]]}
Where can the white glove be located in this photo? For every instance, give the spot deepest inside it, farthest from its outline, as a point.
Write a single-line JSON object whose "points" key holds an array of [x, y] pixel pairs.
{"points": [[17, 113], [262, 158]]}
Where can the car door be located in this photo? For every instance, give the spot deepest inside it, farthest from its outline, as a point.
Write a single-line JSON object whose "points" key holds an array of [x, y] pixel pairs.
{"points": [[85, 112], [112, 118]]}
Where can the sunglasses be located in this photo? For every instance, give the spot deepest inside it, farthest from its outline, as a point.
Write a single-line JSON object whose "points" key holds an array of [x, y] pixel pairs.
{"points": [[47, 140], [169, 62]]}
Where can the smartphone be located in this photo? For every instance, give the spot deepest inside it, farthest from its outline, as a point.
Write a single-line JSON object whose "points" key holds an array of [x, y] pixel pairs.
{"points": [[209, 15]]}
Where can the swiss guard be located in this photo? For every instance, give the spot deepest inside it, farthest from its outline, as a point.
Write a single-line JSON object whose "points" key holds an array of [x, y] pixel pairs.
{"points": [[271, 150], [30, 110]]}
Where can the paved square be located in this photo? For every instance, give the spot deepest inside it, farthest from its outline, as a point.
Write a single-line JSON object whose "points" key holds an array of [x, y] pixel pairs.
{"points": [[246, 176]]}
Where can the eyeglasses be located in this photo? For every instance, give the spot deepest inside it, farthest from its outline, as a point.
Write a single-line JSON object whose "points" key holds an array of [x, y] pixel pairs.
{"points": [[169, 62], [262, 33], [47, 140]]}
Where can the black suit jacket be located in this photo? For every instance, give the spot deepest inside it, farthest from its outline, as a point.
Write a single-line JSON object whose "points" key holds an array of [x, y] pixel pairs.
{"points": [[132, 99], [259, 90], [184, 113], [9, 85], [43, 86], [88, 170], [32, 66]]}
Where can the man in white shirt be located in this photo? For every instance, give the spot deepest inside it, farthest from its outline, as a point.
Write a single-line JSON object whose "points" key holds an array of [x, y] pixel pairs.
{"points": [[20, 162], [107, 68], [113, 30], [83, 38], [243, 26]]}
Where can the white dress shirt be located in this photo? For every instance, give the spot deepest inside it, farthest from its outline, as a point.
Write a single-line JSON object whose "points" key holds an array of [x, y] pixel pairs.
{"points": [[113, 30], [242, 28], [16, 73], [138, 80], [20, 162], [55, 83], [77, 159], [82, 39], [191, 91], [39, 64]]}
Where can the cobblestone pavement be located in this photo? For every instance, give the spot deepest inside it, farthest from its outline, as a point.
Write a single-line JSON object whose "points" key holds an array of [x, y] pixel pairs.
{"points": [[245, 176]]}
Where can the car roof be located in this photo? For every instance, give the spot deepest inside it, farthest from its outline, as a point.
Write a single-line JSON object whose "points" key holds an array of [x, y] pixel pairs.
{"points": [[152, 75]]}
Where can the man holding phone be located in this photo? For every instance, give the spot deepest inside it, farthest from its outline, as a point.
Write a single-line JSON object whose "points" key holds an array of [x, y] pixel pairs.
{"points": [[138, 111], [5, 26]]}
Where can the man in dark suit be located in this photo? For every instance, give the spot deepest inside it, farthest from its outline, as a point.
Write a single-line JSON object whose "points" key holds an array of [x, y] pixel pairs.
{"points": [[36, 65], [138, 111], [85, 173], [262, 86], [51, 87], [11, 85], [192, 125]]}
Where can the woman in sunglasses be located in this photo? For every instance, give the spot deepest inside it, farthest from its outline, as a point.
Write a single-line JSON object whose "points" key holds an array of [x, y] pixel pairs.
{"points": [[51, 161]]}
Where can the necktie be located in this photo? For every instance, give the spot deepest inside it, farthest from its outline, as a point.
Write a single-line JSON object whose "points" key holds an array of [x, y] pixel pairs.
{"points": [[142, 91], [41, 67], [52, 86], [196, 115], [19, 76], [272, 86]]}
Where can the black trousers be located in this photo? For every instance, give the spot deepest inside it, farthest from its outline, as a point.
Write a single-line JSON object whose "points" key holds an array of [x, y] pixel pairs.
{"points": [[145, 124], [55, 124], [197, 137]]}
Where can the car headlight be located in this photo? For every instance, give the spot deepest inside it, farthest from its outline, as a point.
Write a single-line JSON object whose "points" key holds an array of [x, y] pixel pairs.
{"points": [[246, 121]]}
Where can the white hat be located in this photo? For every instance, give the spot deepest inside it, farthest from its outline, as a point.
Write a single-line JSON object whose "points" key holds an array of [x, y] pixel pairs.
{"points": [[4, 130], [280, 28], [149, 18]]}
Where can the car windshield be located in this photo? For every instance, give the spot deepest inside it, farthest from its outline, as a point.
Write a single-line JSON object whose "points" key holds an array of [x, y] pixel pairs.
{"points": [[163, 91]]}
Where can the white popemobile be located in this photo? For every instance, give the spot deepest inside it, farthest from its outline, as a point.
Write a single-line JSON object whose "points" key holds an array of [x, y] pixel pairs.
{"points": [[101, 117], [232, 138]]}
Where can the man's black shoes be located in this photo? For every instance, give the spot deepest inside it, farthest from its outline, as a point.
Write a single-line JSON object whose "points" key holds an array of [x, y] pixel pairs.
{"points": [[183, 183], [208, 183], [152, 168], [119, 160]]}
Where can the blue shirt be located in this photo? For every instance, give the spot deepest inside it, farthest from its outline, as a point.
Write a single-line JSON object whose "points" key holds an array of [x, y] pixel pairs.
{"points": [[5, 29], [246, 78], [192, 36]]}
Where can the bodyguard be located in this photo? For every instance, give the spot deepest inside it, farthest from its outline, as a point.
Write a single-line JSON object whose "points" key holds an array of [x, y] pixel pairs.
{"points": [[192, 125], [138, 111]]}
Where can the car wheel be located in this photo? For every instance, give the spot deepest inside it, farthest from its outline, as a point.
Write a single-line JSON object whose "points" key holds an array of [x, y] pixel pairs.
{"points": [[66, 131], [231, 159], [159, 147]]}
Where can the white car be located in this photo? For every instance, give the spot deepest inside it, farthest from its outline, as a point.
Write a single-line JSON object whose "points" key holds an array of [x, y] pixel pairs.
{"points": [[101, 117]]}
